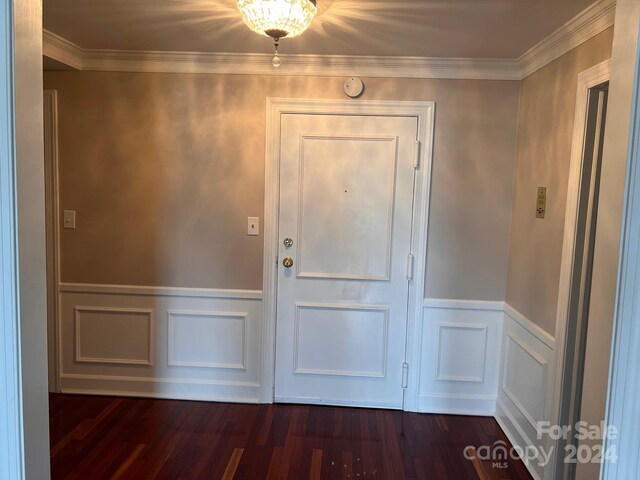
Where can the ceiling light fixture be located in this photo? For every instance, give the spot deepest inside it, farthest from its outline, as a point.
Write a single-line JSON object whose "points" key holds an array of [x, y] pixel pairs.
{"points": [[278, 18]]}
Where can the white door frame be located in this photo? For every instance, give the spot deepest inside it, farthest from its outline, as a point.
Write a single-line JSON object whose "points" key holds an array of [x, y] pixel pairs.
{"points": [[623, 408], [425, 114], [53, 235], [588, 79], [12, 455]]}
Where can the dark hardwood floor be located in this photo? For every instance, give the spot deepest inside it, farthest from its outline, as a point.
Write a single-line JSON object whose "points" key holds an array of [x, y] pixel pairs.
{"points": [[108, 437]]}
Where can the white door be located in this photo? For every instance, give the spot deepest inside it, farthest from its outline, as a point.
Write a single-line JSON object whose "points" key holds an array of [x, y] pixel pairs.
{"points": [[346, 202]]}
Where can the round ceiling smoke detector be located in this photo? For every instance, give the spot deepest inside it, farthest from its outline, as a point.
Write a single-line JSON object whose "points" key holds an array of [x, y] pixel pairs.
{"points": [[353, 87]]}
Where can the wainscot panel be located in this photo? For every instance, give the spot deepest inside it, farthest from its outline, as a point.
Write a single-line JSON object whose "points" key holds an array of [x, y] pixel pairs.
{"points": [[195, 344], [526, 384], [460, 359]]}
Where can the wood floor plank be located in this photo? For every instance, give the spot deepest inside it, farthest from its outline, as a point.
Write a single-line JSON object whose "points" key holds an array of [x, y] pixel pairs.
{"points": [[266, 426], [477, 464], [84, 427], [274, 464], [442, 423], [316, 465], [140, 439], [127, 463], [232, 466]]}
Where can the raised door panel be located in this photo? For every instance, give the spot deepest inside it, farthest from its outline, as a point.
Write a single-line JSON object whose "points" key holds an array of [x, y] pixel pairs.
{"points": [[347, 183]]}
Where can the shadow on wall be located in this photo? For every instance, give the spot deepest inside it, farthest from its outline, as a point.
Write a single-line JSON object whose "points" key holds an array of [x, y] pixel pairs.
{"points": [[153, 189]]}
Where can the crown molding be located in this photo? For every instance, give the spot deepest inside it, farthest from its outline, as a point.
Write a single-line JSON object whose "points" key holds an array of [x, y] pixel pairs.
{"points": [[587, 24], [584, 26], [60, 49], [75, 56], [301, 65]]}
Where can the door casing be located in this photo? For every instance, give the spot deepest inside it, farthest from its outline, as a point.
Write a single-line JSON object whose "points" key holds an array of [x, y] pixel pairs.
{"points": [[425, 114], [588, 79], [52, 204]]}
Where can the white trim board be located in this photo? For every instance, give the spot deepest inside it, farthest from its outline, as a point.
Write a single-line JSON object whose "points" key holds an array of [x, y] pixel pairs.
{"points": [[584, 26], [456, 304], [144, 290], [12, 434], [457, 404], [524, 322], [276, 107], [64, 51], [623, 410], [514, 433], [52, 204], [588, 23], [167, 388], [60, 49]]}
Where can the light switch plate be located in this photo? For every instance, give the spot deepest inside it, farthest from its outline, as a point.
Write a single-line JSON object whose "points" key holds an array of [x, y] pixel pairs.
{"points": [[69, 219], [253, 226], [541, 204]]}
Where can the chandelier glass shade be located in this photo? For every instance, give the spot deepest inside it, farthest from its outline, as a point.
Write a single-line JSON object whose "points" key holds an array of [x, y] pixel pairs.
{"points": [[278, 18]]}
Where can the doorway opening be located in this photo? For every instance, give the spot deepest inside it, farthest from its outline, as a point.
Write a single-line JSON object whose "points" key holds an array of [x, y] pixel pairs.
{"points": [[387, 132], [590, 124]]}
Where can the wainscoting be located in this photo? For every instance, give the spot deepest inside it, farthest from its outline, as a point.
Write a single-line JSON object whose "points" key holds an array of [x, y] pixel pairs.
{"points": [[526, 382], [486, 358], [460, 356], [195, 344], [478, 358]]}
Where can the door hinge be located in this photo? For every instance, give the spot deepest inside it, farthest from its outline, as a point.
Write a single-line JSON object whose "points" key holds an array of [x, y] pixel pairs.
{"points": [[416, 160], [410, 267], [405, 375]]}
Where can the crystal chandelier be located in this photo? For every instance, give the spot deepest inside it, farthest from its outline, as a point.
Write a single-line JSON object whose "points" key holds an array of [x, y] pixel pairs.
{"points": [[278, 18]]}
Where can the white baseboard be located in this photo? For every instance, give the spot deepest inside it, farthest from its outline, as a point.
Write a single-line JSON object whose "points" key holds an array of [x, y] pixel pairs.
{"points": [[516, 435], [167, 388], [457, 404], [335, 402]]}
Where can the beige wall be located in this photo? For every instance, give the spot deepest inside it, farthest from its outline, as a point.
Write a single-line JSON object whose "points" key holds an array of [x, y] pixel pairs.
{"points": [[163, 170], [545, 130]]}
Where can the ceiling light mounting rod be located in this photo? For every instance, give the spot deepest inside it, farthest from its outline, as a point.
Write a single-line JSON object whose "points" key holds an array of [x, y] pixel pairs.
{"points": [[278, 19], [276, 59], [276, 34]]}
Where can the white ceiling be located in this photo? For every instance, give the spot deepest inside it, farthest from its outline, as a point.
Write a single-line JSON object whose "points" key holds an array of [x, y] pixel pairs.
{"points": [[423, 28]]}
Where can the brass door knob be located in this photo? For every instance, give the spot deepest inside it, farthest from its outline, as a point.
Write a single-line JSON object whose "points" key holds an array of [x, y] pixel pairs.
{"points": [[288, 262]]}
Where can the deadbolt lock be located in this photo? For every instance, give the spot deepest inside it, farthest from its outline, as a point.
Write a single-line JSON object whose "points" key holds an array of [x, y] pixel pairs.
{"points": [[288, 262], [288, 242]]}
